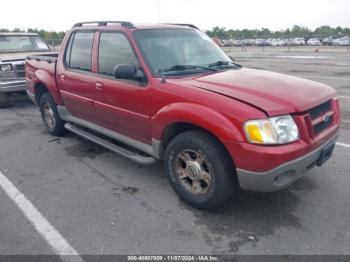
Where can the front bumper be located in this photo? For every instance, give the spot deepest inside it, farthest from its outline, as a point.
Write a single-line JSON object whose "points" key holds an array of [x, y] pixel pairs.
{"points": [[281, 176], [13, 86]]}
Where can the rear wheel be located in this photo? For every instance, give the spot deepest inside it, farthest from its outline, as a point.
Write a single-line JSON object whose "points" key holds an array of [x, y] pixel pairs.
{"points": [[200, 170], [49, 114], [4, 100]]}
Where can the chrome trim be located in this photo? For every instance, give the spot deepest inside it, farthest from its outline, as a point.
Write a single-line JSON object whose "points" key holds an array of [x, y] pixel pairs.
{"points": [[152, 150], [31, 96], [13, 83], [13, 86], [293, 170]]}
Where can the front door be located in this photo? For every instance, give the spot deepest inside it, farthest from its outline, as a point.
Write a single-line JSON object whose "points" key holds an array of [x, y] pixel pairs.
{"points": [[122, 105]]}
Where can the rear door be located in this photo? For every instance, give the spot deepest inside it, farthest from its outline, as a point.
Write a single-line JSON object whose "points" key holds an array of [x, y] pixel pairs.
{"points": [[122, 105], [75, 79]]}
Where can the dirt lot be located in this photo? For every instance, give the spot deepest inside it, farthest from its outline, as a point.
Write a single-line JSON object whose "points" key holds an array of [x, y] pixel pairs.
{"points": [[101, 203]]}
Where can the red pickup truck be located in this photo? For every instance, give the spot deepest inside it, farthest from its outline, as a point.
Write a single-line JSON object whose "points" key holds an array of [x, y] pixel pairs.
{"points": [[168, 92]]}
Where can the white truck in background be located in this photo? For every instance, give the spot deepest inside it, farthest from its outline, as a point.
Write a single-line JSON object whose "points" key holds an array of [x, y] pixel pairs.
{"points": [[14, 48]]}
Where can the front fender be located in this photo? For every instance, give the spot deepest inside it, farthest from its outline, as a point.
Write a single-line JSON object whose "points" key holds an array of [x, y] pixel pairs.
{"points": [[213, 121]]}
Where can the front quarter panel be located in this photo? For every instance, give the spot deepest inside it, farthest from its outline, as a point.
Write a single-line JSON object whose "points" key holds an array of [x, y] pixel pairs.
{"points": [[195, 114], [174, 102]]}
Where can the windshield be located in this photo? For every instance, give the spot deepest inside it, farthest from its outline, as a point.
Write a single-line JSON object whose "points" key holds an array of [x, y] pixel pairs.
{"points": [[179, 51], [22, 43]]}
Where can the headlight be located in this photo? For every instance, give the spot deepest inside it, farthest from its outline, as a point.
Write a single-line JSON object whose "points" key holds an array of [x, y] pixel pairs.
{"points": [[6, 68], [273, 130]]}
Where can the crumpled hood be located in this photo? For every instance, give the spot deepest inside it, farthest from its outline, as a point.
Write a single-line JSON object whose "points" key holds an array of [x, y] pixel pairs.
{"points": [[274, 93], [8, 57]]}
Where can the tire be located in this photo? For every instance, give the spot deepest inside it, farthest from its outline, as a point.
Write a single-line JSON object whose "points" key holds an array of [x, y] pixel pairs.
{"points": [[200, 170], [49, 114], [4, 100]]}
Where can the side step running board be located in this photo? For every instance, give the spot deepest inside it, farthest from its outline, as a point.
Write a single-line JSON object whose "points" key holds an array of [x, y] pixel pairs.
{"points": [[143, 160]]}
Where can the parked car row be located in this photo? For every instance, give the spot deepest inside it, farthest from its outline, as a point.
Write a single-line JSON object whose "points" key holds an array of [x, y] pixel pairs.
{"points": [[343, 41], [298, 41]]}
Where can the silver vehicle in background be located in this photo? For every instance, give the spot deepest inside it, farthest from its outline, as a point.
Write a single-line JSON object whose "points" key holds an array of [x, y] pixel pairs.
{"points": [[328, 40], [343, 41], [314, 42], [14, 48], [298, 41]]}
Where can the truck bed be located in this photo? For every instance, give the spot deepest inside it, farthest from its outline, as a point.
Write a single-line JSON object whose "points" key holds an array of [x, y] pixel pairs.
{"points": [[50, 58], [46, 62], [43, 65]]}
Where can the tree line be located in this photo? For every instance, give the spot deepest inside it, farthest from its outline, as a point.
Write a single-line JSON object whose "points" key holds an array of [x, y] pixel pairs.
{"points": [[43, 33], [295, 31], [222, 32]]}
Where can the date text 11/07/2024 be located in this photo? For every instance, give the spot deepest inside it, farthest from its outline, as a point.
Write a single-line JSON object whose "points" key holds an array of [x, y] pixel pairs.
{"points": [[173, 258]]}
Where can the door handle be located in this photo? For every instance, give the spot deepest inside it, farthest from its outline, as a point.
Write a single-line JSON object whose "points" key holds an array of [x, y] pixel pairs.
{"points": [[99, 86], [63, 77]]}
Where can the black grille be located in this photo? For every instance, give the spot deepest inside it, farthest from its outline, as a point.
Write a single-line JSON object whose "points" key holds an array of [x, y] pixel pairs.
{"points": [[320, 111], [322, 126], [20, 70], [21, 74], [20, 67]]}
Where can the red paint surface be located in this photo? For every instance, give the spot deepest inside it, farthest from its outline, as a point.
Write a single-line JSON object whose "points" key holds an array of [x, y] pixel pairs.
{"points": [[219, 102]]}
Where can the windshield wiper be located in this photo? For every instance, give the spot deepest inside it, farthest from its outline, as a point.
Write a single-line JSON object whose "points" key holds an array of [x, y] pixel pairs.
{"points": [[185, 67], [223, 63]]}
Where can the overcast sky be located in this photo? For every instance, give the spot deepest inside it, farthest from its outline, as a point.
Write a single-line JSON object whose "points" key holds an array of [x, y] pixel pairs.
{"points": [[235, 14]]}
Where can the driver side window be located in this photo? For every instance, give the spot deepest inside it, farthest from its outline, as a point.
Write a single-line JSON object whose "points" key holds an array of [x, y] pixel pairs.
{"points": [[114, 49]]}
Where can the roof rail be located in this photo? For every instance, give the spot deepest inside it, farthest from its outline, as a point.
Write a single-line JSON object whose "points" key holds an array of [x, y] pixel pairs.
{"points": [[188, 25], [104, 23]]}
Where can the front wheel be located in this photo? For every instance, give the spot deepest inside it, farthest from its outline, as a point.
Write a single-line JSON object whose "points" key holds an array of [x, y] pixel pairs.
{"points": [[200, 170], [49, 114]]}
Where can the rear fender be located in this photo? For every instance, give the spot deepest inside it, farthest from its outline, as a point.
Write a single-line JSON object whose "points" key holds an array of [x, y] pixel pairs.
{"points": [[42, 77]]}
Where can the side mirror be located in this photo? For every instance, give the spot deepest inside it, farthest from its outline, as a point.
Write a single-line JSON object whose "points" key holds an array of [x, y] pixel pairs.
{"points": [[125, 71], [129, 71]]}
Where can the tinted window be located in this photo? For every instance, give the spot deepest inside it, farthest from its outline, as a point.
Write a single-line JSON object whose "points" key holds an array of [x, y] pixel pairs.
{"points": [[114, 49], [79, 54]]}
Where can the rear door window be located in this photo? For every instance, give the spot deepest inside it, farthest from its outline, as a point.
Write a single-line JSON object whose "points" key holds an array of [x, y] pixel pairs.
{"points": [[79, 54]]}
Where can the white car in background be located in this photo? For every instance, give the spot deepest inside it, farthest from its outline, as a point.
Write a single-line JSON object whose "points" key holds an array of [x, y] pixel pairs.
{"points": [[314, 41], [274, 42], [299, 41], [248, 42], [328, 41], [344, 41], [260, 42], [237, 42], [277, 42]]}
